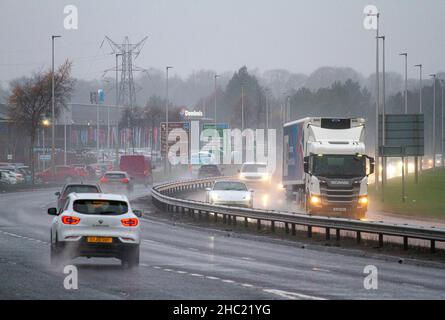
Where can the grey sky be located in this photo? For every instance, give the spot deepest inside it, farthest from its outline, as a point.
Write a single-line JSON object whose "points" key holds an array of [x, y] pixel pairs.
{"points": [[221, 35]]}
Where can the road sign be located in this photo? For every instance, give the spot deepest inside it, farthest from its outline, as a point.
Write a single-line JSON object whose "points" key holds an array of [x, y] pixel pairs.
{"points": [[101, 95], [404, 135], [171, 126], [9, 157], [45, 157], [219, 127]]}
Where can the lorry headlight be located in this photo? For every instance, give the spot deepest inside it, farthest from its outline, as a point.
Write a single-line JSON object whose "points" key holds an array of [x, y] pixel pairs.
{"points": [[241, 176], [315, 199], [214, 196], [363, 200], [265, 177]]}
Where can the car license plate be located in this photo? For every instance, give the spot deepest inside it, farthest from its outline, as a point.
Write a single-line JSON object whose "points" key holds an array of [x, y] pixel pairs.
{"points": [[99, 239], [339, 209]]}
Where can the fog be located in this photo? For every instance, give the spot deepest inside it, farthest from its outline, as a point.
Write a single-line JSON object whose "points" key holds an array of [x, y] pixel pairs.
{"points": [[221, 35]]}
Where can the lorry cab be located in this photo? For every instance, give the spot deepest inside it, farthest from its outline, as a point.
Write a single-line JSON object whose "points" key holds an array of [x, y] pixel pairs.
{"points": [[325, 166]]}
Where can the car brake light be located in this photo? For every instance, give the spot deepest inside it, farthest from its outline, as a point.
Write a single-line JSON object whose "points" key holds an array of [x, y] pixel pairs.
{"points": [[125, 180], [130, 222], [70, 220], [104, 180]]}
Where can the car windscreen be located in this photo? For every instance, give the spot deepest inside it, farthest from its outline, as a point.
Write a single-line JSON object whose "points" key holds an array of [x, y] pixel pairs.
{"points": [[101, 207], [229, 185], [81, 189], [254, 168], [115, 176]]}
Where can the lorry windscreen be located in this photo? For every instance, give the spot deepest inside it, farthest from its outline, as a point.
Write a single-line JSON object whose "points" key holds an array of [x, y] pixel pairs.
{"points": [[337, 166]]}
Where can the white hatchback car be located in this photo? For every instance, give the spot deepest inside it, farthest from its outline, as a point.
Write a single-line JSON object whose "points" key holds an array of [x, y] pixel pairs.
{"points": [[251, 172], [230, 193], [96, 225]]}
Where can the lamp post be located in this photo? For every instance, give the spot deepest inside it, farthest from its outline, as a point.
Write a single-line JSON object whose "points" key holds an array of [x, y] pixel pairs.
{"points": [[383, 116], [53, 102], [242, 108], [441, 126], [377, 99], [267, 91], [420, 101], [406, 99], [216, 77], [117, 104], [434, 119], [45, 124], [406, 80], [166, 117]]}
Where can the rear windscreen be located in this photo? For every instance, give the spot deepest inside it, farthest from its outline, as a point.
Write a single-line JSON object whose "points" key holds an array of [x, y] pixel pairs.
{"points": [[115, 176], [105, 207], [81, 189]]}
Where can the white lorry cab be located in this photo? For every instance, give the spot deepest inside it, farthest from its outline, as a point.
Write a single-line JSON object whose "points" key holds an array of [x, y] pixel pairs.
{"points": [[325, 167]]}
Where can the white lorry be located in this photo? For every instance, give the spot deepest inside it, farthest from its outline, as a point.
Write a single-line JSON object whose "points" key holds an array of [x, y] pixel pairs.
{"points": [[325, 166]]}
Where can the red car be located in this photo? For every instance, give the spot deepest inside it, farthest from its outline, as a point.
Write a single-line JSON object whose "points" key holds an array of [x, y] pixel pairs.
{"points": [[63, 174], [138, 168]]}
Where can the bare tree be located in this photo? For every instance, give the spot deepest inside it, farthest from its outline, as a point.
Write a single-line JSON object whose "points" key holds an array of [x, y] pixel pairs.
{"points": [[30, 100]]}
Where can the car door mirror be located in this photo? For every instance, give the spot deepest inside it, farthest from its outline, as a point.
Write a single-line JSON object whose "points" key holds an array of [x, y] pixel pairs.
{"points": [[57, 193], [137, 213], [52, 211]]}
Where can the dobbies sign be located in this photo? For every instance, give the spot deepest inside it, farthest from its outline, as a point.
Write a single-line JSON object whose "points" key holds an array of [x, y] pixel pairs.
{"points": [[187, 114]]}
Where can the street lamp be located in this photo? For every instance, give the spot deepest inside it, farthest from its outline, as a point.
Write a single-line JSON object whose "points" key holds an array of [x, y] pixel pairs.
{"points": [[166, 118], [406, 98], [383, 114], [441, 140], [267, 91], [53, 144], [377, 98], [116, 137], [420, 100], [434, 118], [242, 108], [406, 80], [45, 124], [216, 77]]}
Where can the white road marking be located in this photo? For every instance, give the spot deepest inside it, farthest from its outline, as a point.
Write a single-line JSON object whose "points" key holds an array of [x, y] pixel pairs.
{"points": [[292, 295], [212, 278], [228, 281], [196, 275], [319, 269], [247, 285], [181, 272]]}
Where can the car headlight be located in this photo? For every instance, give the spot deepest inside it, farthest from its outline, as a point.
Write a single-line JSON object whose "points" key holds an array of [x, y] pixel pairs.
{"points": [[265, 177], [248, 197], [315, 199], [363, 200], [241, 176]]}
